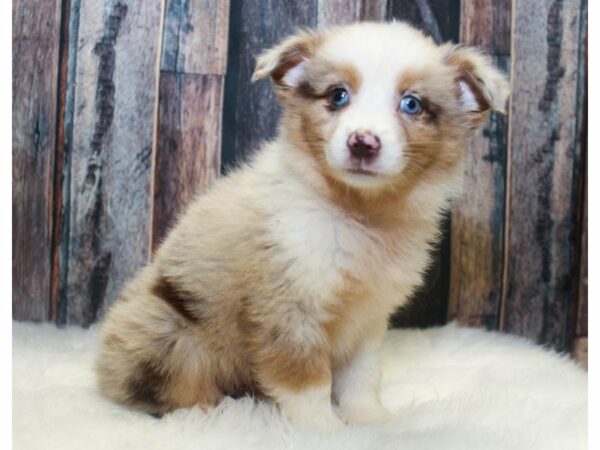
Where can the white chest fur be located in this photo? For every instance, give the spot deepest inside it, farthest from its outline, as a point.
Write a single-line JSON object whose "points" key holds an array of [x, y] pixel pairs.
{"points": [[318, 243]]}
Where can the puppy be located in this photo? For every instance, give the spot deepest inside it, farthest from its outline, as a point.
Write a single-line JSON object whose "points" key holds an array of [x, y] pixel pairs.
{"points": [[280, 280]]}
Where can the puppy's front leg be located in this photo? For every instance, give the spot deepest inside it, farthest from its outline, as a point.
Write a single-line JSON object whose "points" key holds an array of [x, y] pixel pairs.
{"points": [[297, 375], [309, 408], [356, 386]]}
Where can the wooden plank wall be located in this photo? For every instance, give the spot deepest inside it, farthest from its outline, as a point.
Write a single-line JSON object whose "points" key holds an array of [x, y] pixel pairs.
{"points": [[541, 247], [478, 216], [107, 207], [123, 110], [36, 40], [192, 70]]}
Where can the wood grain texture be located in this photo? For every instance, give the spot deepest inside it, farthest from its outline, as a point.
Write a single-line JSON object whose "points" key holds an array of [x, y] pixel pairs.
{"points": [[58, 227], [429, 305], [477, 230], [581, 327], [195, 36], [580, 351], [115, 91], [194, 58], [375, 10], [486, 24], [438, 18], [544, 154], [188, 149], [338, 12], [478, 215], [36, 37], [251, 112]]}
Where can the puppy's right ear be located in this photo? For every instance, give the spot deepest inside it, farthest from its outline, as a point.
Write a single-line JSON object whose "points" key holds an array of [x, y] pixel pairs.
{"points": [[285, 62]]}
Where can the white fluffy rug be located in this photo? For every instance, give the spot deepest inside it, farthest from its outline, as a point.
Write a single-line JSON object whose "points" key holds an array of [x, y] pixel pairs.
{"points": [[449, 388]]}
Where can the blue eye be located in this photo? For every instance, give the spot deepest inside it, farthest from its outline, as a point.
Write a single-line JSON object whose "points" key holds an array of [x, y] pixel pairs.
{"points": [[338, 98], [410, 105]]}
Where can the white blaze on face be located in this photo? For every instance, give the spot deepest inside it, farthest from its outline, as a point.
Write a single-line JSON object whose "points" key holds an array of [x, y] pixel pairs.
{"points": [[380, 57], [371, 110]]}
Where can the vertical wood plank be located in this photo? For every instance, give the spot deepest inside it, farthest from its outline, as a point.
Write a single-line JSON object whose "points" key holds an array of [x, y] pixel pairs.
{"points": [[194, 57], [579, 348], [375, 10], [438, 18], [58, 227], [580, 351], [338, 12], [36, 37], [429, 305], [478, 216], [251, 112], [195, 36], [115, 89], [544, 156], [581, 328], [188, 150]]}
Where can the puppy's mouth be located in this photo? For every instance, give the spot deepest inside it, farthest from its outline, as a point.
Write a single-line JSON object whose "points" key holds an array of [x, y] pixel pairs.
{"points": [[361, 167], [362, 171]]}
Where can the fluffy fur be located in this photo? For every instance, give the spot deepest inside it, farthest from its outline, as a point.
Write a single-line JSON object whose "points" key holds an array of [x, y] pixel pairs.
{"points": [[279, 281], [449, 388]]}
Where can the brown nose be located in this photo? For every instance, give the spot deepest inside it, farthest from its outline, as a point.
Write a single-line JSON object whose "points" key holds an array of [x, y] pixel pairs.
{"points": [[363, 145]]}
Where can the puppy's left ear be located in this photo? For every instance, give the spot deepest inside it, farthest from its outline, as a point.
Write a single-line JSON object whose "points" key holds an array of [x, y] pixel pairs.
{"points": [[285, 62], [480, 86]]}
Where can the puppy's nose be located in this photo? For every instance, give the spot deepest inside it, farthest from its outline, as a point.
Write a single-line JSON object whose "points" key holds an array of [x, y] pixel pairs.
{"points": [[363, 145]]}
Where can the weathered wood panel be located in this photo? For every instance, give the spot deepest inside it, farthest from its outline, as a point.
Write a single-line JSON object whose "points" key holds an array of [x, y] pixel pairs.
{"points": [[195, 36], [544, 156], [478, 215], [115, 92], [581, 328], [188, 149], [375, 10], [429, 305], [580, 351], [339, 12], [438, 18], [36, 36], [188, 153], [251, 112], [486, 24]]}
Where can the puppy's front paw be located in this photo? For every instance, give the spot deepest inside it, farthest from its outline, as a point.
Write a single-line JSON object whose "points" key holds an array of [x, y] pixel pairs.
{"points": [[326, 422], [309, 409], [365, 412]]}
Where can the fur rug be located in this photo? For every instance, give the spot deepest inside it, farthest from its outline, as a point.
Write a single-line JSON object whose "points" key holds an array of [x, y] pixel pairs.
{"points": [[449, 388]]}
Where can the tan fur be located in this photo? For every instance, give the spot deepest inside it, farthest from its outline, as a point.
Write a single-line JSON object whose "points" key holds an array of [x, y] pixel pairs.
{"points": [[274, 279]]}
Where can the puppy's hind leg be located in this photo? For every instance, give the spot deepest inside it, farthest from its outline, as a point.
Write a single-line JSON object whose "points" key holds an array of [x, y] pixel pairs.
{"points": [[152, 363]]}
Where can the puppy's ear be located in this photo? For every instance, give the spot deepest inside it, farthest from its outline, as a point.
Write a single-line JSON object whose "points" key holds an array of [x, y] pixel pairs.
{"points": [[285, 62], [480, 86]]}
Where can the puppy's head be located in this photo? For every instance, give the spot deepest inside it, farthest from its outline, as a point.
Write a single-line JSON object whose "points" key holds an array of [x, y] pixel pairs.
{"points": [[380, 104]]}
